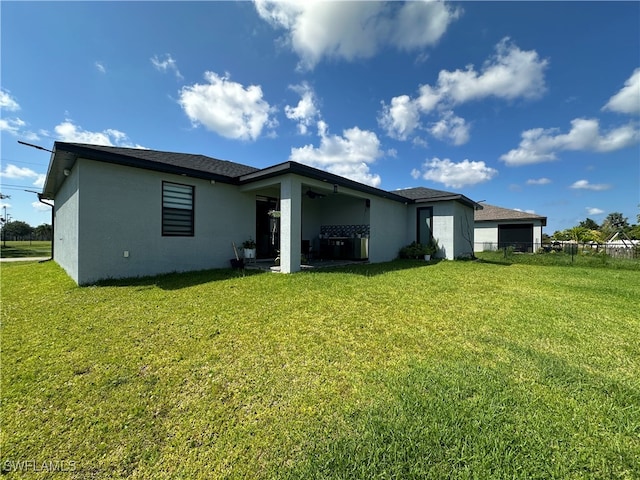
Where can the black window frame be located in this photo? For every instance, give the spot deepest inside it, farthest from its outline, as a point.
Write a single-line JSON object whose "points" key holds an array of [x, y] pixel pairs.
{"points": [[167, 231]]}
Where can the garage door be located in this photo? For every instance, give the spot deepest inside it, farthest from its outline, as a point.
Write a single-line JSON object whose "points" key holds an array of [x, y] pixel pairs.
{"points": [[520, 237]]}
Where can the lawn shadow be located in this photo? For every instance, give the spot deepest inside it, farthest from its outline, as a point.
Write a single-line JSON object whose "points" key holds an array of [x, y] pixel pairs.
{"points": [[179, 280], [374, 269]]}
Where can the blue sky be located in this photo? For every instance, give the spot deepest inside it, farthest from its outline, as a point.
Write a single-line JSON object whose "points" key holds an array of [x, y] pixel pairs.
{"points": [[533, 106]]}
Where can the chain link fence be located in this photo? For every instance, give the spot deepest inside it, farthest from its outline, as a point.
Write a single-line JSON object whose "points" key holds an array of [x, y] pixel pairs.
{"points": [[628, 249]]}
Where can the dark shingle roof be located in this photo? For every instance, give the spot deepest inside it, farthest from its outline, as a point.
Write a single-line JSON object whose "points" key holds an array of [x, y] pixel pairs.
{"points": [[190, 161], [423, 194], [493, 213]]}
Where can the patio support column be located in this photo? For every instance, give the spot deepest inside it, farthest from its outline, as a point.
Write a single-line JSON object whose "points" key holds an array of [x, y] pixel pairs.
{"points": [[290, 224]]}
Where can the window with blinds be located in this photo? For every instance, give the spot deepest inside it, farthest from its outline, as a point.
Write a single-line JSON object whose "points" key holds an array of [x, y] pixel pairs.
{"points": [[177, 210]]}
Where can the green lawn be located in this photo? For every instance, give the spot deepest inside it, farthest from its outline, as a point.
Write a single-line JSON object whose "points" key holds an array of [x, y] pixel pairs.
{"points": [[400, 370], [35, 248]]}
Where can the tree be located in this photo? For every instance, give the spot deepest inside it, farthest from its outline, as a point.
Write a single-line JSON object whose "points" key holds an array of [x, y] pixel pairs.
{"points": [[43, 232], [614, 222], [16, 230], [589, 224], [561, 235]]}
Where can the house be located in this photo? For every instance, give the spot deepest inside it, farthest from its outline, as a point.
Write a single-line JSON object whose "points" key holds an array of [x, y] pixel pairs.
{"points": [[123, 212], [497, 227]]}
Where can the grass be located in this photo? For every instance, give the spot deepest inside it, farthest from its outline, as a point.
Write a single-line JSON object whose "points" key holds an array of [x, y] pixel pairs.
{"points": [[35, 248], [399, 370], [580, 259]]}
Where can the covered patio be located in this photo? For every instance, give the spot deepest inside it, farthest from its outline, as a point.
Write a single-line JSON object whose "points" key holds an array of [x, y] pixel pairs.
{"points": [[307, 222]]}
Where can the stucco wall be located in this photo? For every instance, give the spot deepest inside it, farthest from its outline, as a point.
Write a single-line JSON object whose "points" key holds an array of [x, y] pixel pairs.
{"points": [[121, 210], [447, 227], [388, 229], [65, 235], [486, 236], [463, 230]]}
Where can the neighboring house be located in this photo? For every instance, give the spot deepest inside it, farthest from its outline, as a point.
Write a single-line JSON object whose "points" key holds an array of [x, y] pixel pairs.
{"points": [[123, 212], [497, 227]]}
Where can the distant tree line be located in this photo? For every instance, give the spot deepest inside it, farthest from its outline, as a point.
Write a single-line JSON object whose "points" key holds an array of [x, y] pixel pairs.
{"points": [[589, 231], [18, 230]]}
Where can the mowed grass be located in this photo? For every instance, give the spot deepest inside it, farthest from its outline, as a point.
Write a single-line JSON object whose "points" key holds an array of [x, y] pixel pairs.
{"points": [[400, 370], [34, 248]]}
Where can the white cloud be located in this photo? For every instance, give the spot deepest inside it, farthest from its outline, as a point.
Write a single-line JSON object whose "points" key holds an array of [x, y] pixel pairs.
{"points": [[585, 185], [451, 128], [11, 125], [594, 211], [41, 207], [400, 118], [540, 145], [351, 30], [538, 181], [39, 181], [168, 64], [509, 74], [23, 173], [67, 131], [15, 172], [100, 67], [456, 175], [306, 112], [7, 102], [348, 155], [627, 100], [4, 204], [226, 107], [532, 212]]}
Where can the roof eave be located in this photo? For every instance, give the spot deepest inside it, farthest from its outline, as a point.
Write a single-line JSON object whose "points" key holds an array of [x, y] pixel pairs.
{"points": [[65, 155], [321, 175]]}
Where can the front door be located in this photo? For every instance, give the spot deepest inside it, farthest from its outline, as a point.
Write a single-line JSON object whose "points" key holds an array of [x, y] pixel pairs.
{"points": [[423, 230]]}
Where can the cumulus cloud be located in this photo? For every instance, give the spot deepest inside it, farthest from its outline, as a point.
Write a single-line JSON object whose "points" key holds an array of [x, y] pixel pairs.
{"points": [[511, 73], [585, 185], [11, 125], [450, 128], [594, 211], [400, 118], [67, 131], [350, 30], [7, 102], [100, 67], [306, 112], [455, 175], [541, 145], [348, 155], [167, 64], [227, 108], [538, 181], [627, 100], [14, 172]]}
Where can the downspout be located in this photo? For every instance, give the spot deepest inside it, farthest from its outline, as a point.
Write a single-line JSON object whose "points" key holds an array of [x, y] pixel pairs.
{"points": [[52, 226]]}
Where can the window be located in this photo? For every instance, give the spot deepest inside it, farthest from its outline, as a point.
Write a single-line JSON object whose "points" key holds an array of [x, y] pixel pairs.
{"points": [[177, 210]]}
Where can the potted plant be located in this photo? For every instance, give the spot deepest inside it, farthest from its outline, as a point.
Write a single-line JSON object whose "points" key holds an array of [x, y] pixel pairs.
{"points": [[430, 249], [249, 247]]}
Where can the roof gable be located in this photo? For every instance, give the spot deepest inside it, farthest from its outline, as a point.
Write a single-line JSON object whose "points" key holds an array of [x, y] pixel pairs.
{"points": [[424, 195], [493, 213]]}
